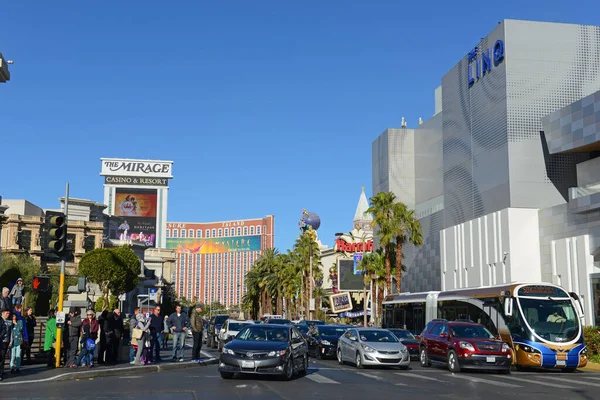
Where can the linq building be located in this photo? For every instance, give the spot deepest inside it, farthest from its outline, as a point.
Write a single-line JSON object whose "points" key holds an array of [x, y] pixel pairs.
{"points": [[137, 192]]}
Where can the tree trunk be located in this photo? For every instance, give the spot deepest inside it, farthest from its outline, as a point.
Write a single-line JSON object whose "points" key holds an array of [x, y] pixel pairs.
{"points": [[373, 301], [306, 297], [388, 269], [398, 265], [279, 305], [380, 305]]}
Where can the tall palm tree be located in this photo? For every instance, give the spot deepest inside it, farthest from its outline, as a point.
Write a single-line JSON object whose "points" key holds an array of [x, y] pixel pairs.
{"points": [[304, 246], [406, 228], [251, 300], [374, 265], [382, 208]]}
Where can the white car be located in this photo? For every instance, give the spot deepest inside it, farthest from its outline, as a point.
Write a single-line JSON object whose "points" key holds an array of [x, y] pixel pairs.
{"points": [[229, 330], [371, 346]]}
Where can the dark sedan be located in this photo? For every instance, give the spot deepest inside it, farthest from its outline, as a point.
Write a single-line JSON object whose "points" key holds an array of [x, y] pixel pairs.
{"points": [[265, 349], [409, 340], [323, 343]]}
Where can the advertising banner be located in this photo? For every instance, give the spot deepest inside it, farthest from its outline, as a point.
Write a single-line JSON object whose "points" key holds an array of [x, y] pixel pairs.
{"points": [[340, 302], [214, 245], [137, 207], [348, 277]]}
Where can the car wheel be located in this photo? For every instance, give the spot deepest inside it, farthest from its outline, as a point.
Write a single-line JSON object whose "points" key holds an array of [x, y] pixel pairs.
{"points": [[339, 357], [358, 361], [453, 365], [288, 371], [226, 375], [424, 358], [304, 369]]}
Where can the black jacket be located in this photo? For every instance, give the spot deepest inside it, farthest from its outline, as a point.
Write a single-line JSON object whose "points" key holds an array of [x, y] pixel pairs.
{"points": [[4, 331], [5, 303], [114, 324], [75, 327], [183, 321]]}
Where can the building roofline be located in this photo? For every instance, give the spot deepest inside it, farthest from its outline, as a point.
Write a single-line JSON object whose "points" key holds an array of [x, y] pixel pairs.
{"points": [[218, 222]]}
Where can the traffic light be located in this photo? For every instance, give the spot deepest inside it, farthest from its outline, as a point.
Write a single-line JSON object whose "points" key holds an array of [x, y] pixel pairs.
{"points": [[57, 234], [41, 283], [81, 284]]}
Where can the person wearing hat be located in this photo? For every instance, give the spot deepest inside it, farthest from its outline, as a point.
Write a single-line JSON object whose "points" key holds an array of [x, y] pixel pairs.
{"points": [[197, 329], [5, 336], [18, 292]]}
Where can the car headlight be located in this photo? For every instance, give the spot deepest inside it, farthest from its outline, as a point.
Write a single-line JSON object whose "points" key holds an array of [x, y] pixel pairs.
{"points": [[505, 347], [403, 350], [466, 346], [228, 351], [276, 353], [325, 343], [367, 348]]}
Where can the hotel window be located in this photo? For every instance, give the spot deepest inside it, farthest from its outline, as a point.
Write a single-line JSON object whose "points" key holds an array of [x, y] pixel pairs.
{"points": [[191, 233], [175, 233], [183, 233], [239, 231], [214, 233], [207, 233], [220, 232], [168, 231], [199, 233], [252, 230], [258, 229], [245, 230], [226, 232]]}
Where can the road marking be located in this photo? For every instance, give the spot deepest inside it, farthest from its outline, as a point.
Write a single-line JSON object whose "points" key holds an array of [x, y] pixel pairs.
{"points": [[545, 383], [413, 375], [379, 378], [578, 382], [320, 379], [592, 377], [129, 377], [400, 384], [479, 380]]}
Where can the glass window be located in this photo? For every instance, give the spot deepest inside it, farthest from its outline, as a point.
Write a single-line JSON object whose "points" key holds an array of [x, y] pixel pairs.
{"points": [[470, 331], [175, 233], [239, 231], [168, 231], [258, 229], [252, 230], [207, 233], [226, 231], [245, 230], [377, 336], [220, 232], [191, 233], [198, 233], [183, 233], [214, 233]]}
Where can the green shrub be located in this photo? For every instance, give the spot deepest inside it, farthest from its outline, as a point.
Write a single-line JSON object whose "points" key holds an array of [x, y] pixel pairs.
{"points": [[592, 340]]}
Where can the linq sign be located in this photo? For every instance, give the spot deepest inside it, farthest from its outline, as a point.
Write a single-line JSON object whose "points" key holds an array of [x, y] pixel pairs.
{"points": [[342, 245]]}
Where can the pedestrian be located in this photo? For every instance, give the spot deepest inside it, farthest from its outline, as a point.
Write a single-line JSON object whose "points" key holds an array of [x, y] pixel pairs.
{"points": [[104, 329], [18, 308], [197, 326], [16, 340], [178, 324], [165, 332], [5, 333], [50, 337], [30, 324], [18, 292], [143, 325], [132, 324], [156, 327], [88, 345], [113, 336], [5, 302], [74, 329], [94, 327]]}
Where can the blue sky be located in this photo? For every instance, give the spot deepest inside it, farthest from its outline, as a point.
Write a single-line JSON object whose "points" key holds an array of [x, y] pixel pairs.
{"points": [[266, 107]]}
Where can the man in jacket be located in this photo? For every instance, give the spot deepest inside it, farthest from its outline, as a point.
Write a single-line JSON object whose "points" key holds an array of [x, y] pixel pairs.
{"points": [[5, 333], [113, 336], [74, 328], [197, 329], [178, 324], [156, 327], [5, 301]]}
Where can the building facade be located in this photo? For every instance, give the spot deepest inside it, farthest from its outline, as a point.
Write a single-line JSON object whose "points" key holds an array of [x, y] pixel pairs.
{"points": [[212, 258], [138, 192], [496, 170]]}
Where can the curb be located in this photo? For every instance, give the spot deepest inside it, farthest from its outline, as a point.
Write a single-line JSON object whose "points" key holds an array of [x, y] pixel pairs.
{"points": [[100, 373], [591, 367]]}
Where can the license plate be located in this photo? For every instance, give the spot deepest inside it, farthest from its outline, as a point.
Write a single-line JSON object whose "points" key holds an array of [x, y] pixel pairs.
{"points": [[561, 362], [247, 364], [491, 359]]}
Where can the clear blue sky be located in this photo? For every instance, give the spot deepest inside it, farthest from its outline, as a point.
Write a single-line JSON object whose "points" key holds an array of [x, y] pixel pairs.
{"points": [[266, 107]]}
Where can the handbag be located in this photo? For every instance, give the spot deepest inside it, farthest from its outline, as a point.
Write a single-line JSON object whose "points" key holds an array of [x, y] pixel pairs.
{"points": [[137, 333]]}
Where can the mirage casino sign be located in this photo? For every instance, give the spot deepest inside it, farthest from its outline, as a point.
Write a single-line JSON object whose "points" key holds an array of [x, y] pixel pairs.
{"points": [[479, 62], [136, 168]]}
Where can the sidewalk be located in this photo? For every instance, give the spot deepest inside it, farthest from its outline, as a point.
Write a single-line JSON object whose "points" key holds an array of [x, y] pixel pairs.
{"points": [[40, 373]]}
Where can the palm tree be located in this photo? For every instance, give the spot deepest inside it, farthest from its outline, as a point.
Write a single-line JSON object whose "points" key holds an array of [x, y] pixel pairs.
{"points": [[303, 248], [251, 300], [382, 208], [406, 228], [374, 265]]}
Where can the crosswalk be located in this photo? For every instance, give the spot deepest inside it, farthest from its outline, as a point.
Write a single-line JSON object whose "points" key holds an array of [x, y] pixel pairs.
{"points": [[438, 376]]}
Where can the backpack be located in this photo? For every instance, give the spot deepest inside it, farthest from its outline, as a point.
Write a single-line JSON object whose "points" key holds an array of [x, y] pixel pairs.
{"points": [[90, 344]]}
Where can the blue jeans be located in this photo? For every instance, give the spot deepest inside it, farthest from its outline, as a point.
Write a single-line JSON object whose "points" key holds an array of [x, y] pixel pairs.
{"points": [[131, 353], [178, 344], [17, 300], [86, 357], [155, 341]]}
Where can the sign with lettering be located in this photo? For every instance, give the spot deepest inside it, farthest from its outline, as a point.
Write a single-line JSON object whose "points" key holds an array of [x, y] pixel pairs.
{"points": [[135, 181], [343, 246], [136, 168], [480, 64]]}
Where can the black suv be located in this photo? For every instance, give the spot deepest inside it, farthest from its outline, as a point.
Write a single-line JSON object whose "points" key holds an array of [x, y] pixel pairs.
{"points": [[213, 329]]}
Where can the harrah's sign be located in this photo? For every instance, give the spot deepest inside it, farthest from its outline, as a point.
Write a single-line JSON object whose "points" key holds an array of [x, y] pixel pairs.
{"points": [[359, 247], [127, 167]]}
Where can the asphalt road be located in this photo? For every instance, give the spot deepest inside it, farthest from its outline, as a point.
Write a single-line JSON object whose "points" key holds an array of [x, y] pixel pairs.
{"points": [[325, 380]]}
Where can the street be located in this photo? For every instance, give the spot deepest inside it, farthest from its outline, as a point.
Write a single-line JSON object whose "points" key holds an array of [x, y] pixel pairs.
{"points": [[325, 380]]}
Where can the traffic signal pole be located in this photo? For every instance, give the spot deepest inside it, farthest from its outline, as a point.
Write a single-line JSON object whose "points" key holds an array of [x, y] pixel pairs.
{"points": [[61, 287]]}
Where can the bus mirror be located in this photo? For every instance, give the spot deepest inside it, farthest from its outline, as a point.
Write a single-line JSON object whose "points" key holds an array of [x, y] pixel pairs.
{"points": [[508, 306]]}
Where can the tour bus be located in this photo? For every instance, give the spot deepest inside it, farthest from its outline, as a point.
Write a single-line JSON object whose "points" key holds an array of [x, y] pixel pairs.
{"points": [[542, 322]]}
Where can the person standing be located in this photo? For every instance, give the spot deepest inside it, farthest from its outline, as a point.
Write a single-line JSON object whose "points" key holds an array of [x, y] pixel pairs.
{"points": [[16, 340], [5, 333], [165, 333], [74, 328], [197, 329], [142, 324], [5, 302], [18, 292], [178, 324], [132, 324], [156, 327], [30, 324], [104, 330], [114, 334], [50, 337]]}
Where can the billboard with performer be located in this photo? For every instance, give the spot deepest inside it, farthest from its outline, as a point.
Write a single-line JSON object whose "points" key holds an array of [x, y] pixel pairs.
{"points": [[138, 209], [340, 302]]}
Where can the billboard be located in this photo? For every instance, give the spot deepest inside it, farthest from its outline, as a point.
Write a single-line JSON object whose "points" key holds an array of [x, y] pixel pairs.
{"points": [[214, 245], [137, 208], [340, 302], [349, 278]]}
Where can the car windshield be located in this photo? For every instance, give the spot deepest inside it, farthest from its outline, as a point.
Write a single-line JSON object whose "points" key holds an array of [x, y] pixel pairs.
{"points": [[236, 326], [470, 331], [263, 334], [220, 319], [377, 336], [303, 328], [279, 321], [550, 319], [332, 331], [400, 334]]}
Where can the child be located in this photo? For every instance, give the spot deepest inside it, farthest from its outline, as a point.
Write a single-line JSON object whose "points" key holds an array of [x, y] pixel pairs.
{"points": [[15, 344], [86, 356]]}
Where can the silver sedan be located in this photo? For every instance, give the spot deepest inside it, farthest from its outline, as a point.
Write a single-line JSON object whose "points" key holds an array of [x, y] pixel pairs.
{"points": [[371, 346]]}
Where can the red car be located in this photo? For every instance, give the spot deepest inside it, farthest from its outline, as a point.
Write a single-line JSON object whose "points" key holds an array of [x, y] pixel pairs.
{"points": [[463, 345]]}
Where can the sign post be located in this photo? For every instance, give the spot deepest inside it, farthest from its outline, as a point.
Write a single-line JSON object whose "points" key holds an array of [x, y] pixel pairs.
{"points": [[61, 288]]}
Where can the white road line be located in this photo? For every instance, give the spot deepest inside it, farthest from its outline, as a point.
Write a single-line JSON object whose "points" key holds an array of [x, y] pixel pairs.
{"points": [[545, 383], [379, 378], [400, 384], [480, 380], [413, 375], [210, 356], [592, 377], [594, 384], [321, 379], [129, 377]]}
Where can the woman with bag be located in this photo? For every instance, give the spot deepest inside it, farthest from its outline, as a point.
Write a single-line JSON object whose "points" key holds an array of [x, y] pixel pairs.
{"points": [[140, 336], [88, 345]]}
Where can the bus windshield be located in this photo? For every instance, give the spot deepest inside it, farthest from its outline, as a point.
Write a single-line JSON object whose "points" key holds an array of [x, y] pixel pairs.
{"points": [[549, 319]]}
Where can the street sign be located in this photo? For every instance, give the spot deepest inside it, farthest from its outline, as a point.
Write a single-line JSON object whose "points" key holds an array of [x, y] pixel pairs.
{"points": [[60, 317], [152, 294]]}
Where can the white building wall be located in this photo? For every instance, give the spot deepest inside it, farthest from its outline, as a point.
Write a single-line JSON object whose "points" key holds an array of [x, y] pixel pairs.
{"points": [[497, 248]]}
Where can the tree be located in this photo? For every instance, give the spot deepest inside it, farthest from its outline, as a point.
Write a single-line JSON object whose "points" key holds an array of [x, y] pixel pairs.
{"points": [[303, 248], [406, 228], [382, 208], [374, 266], [115, 270], [13, 267]]}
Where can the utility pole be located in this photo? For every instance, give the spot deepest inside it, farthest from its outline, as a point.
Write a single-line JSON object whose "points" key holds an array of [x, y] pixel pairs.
{"points": [[61, 286]]}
